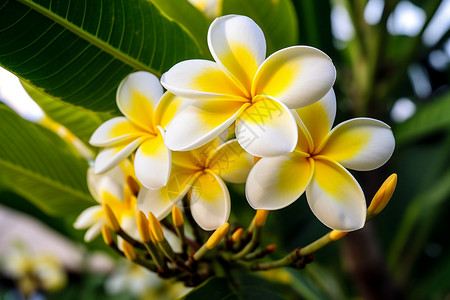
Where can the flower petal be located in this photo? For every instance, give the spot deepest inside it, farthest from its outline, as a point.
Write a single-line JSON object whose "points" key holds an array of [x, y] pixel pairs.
{"points": [[267, 128], [199, 79], [137, 97], [113, 132], [209, 201], [276, 182], [161, 201], [231, 162], [152, 162], [239, 47], [200, 123], [93, 232], [168, 107], [110, 157], [318, 117], [88, 217], [361, 144], [335, 197], [297, 76]]}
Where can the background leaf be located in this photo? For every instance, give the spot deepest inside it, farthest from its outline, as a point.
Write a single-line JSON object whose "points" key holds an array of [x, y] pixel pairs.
{"points": [[277, 19], [51, 177], [79, 51], [81, 123]]}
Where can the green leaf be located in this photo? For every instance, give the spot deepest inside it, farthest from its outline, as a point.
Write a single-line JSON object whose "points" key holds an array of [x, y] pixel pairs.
{"points": [[186, 15], [277, 19], [54, 179], [81, 123], [79, 51], [428, 119]]}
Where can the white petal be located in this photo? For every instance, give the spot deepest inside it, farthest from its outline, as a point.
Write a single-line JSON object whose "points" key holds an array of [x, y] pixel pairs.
{"points": [[297, 76], [209, 201], [267, 128], [137, 97], [114, 131], [152, 162], [112, 156], [168, 107], [200, 123], [93, 232], [276, 182], [335, 197], [239, 47], [361, 144], [198, 79], [88, 217]]}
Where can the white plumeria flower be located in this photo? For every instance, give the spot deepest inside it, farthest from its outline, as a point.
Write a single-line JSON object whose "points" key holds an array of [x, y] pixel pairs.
{"points": [[242, 86], [147, 112], [318, 164], [201, 173], [211, 8], [110, 188]]}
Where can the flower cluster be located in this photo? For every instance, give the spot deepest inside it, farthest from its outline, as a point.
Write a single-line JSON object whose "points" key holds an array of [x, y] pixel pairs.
{"points": [[242, 118]]}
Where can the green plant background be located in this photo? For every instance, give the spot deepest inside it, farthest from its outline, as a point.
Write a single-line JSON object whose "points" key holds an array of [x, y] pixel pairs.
{"points": [[71, 56]]}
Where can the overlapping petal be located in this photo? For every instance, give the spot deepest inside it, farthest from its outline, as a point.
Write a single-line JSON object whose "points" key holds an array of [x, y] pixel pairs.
{"points": [[168, 107], [137, 97], [114, 131], [152, 162], [267, 128], [88, 217], [231, 162], [276, 182], [200, 123], [198, 79], [94, 231], [318, 117], [239, 47], [112, 156], [335, 197], [297, 76], [209, 201], [360, 144]]}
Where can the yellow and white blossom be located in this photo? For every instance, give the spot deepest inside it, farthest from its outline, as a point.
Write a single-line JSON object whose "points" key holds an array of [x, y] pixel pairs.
{"points": [[243, 86], [211, 8], [318, 165], [201, 173], [110, 188], [147, 112]]}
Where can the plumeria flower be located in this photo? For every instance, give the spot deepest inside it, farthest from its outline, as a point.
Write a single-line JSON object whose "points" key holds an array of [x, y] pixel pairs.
{"points": [[201, 173], [211, 8], [110, 188], [147, 112], [242, 86], [318, 165]]}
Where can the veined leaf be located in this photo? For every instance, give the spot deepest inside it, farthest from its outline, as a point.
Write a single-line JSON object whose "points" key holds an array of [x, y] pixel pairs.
{"points": [[432, 117], [54, 179], [277, 19], [79, 51], [188, 16], [82, 123]]}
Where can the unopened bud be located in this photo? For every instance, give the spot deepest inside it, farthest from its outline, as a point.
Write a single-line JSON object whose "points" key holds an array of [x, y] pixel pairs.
{"points": [[261, 217], [383, 195], [177, 216], [143, 226], [128, 250], [217, 236], [155, 227], [111, 218], [236, 236], [133, 185], [107, 235]]}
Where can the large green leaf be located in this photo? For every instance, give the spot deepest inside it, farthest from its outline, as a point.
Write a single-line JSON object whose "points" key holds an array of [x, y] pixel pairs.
{"points": [[183, 12], [79, 51], [34, 167], [81, 123], [428, 119], [277, 19]]}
